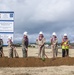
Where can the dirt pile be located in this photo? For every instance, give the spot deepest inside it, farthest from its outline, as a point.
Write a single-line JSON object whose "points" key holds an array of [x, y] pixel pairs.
{"points": [[35, 62]]}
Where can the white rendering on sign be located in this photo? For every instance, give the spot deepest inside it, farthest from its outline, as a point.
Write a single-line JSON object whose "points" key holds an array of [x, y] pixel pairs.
{"points": [[6, 25]]}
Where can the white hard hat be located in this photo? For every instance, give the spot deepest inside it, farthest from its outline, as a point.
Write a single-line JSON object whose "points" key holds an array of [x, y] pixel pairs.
{"points": [[41, 32], [25, 33], [54, 33], [65, 34], [9, 37]]}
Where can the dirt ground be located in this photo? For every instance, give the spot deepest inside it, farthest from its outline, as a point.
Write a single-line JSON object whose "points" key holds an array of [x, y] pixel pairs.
{"points": [[35, 62], [35, 66]]}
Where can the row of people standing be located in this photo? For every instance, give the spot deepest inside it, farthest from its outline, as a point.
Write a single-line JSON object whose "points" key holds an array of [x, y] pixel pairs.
{"points": [[64, 45], [40, 41], [11, 48]]}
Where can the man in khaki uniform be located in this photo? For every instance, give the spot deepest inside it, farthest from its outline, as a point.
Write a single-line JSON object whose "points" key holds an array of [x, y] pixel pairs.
{"points": [[25, 42], [41, 45], [1, 47], [10, 46], [54, 42]]}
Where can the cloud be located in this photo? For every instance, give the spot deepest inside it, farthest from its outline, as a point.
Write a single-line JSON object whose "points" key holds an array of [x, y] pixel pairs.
{"points": [[41, 15], [52, 11]]}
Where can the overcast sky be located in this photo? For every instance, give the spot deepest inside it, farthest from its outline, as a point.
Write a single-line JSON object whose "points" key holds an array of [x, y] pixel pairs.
{"points": [[47, 16]]}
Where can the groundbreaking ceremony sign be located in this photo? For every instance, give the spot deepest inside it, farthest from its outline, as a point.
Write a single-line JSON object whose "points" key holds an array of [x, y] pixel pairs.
{"points": [[6, 25]]}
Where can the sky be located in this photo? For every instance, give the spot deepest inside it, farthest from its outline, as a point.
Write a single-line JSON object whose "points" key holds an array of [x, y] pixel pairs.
{"points": [[47, 16]]}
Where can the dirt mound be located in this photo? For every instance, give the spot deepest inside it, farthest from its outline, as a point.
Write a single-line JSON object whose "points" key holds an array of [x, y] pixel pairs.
{"points": [[35, 62]]}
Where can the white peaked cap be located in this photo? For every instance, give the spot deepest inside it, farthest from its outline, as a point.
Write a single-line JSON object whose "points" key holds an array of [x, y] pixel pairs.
{"points": [[54, 33], [40, 32], [25, 33], [9, 37], [65, 34]]}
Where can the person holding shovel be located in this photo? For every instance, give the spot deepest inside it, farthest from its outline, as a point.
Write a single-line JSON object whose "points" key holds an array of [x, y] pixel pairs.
{"points": [[12, 48], [10, 43], [25, 43], [40, 41], [54, 42], [65, 46]]}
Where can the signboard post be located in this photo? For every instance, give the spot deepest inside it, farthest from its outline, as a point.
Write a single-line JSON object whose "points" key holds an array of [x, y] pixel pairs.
{"points": [[6, 25]]}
